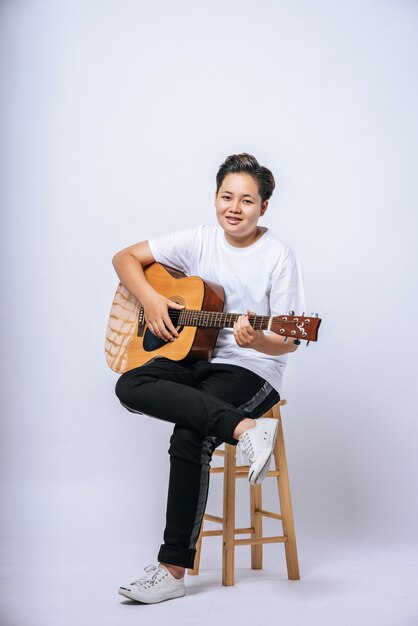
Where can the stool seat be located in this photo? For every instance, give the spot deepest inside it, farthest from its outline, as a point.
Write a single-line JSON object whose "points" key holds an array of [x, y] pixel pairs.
{"points": [[231, 471]]}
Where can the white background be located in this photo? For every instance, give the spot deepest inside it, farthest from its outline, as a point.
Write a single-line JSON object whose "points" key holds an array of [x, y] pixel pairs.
{"points": [[115, 118]]}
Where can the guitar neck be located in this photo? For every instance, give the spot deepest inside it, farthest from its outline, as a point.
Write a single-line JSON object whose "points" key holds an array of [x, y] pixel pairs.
{"points": [[298, 327], [216, 319]]}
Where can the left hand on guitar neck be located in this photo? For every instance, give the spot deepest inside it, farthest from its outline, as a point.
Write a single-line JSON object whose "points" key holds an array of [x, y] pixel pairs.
{"points": [[244, 333], [247, 337]]}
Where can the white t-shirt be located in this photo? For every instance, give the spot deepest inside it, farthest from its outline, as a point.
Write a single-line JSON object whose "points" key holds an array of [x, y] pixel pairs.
{"points": [[264, 277]]}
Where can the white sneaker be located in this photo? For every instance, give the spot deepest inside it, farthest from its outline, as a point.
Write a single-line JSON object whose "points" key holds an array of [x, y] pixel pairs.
{"points": [[258, 444], [157, 585]]}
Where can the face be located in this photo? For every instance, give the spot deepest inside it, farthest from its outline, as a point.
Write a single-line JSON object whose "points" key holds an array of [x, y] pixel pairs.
{"points": [[238, 208]]}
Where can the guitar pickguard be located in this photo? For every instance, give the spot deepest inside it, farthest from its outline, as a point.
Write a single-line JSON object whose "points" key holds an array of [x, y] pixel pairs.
{"points": [[151, 342]]}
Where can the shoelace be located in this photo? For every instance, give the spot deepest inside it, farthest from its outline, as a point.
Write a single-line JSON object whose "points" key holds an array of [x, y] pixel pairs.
{"points": [[154, 575], [246, 446]]}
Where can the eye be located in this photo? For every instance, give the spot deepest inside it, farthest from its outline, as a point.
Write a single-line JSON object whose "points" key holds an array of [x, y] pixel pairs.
{"points": [[249, 201], [226, 197]]}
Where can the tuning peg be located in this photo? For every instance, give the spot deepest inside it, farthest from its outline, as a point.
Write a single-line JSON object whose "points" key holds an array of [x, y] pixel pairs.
{"points": [[285, 340], [314, 315], [307, 343], [291, 312]]}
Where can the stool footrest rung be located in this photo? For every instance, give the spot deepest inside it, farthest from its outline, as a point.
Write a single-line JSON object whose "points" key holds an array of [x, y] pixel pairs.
{"points": [[221, 469], [244, 531], [242, 471], [253, 542], [269, 474], [211, 533], [268, 514], [213, 518], [217, 533]]}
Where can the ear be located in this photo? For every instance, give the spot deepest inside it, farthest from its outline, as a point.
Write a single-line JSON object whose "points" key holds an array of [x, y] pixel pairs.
{"points": [[264, 207]]}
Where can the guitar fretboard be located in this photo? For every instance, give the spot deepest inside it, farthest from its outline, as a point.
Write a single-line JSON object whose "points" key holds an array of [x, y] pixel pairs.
{"points": [[213, 319]]}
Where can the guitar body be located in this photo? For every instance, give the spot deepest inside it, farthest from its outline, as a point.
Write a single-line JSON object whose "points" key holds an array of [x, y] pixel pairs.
{"points": [[130, 343]]}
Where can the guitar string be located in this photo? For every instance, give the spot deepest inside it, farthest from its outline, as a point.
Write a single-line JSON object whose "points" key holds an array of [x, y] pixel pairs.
{"points": [[192, 317]]}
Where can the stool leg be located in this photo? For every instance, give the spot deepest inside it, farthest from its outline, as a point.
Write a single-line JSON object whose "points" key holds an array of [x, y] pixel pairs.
{"points": [[257, 524], [286, 501], [196, 564], [228, 551]]}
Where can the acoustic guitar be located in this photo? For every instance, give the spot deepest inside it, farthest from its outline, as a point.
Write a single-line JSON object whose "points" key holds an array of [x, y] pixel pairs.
{"points": [[130, 343]]}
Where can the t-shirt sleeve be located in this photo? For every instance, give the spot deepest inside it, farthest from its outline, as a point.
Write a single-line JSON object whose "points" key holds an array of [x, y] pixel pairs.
{"points": [[287, 291], [178, 249]]}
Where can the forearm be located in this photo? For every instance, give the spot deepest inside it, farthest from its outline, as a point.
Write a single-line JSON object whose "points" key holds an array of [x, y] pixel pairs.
{"points": [[274, 344], [131, 275]]}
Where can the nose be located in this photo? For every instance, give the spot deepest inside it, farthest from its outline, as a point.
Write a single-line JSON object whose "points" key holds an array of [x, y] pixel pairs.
{"points": [[235, 208]]}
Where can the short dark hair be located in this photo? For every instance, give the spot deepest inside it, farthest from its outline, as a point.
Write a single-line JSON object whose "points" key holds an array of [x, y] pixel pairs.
{"points": [[247, 164]]}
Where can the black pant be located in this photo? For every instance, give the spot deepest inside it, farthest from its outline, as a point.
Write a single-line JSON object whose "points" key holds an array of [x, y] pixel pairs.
{"points": [[205, 401]]}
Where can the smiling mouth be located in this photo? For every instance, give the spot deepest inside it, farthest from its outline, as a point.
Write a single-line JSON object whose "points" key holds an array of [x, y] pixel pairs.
{"points": [[233, 219]]}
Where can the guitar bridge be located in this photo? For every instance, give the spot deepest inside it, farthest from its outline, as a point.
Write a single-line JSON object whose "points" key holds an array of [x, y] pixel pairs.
{"points": [[141, 322]]}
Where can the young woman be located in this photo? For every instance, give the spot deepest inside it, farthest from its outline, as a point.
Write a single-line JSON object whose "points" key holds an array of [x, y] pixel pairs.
{"points": [[221, 400]]}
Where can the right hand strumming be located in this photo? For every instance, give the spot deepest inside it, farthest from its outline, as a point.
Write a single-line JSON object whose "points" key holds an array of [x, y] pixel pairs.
{"points": [[157, 317]]}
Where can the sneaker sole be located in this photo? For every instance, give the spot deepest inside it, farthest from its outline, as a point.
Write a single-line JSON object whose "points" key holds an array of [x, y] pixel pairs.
{"points": [[256, 478], [146, 599]]}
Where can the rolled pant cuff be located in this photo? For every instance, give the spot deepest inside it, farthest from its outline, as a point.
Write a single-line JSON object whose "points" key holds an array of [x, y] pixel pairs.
{"points": [[227, 435], [183, 557]]}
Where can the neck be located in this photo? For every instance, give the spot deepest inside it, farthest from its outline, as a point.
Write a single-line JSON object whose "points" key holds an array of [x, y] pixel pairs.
{"points": [[248, 241], [217, 319]]}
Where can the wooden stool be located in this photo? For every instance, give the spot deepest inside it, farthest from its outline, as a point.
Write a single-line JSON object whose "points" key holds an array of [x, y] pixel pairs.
{"points": [[228, 531]]}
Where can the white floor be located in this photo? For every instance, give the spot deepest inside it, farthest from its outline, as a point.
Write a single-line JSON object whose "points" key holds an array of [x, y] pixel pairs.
{"points": [[342, 585]]}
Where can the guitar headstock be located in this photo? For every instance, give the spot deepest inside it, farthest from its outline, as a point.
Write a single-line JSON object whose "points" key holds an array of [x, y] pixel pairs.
{"points": [[297, 326]]}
